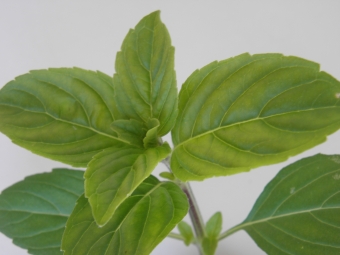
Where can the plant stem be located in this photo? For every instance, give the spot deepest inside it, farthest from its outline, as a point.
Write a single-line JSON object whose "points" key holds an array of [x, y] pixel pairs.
{"points": [[230, 231], [194, 212], [176, 236]]}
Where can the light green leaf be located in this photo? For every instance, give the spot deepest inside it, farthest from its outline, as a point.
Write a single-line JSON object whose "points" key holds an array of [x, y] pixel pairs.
{"points": [[138, 225], [186, 231], [63, 114], [167, 175], [131, 131], [298, 211], [214, 225], [209, 245], [250, 111], [213, 228], [151, 137], [34, 212], [145, 79], [115, 173]]}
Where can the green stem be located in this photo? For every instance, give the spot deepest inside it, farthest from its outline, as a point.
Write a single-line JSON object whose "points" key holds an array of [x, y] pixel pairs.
{"points": [[230, 232], [176, 236]]}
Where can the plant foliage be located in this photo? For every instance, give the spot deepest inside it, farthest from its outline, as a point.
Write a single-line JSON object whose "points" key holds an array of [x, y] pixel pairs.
{"points": [[230, 116]]}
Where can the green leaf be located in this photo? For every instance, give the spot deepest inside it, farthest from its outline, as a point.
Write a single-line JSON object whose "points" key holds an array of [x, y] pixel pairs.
{"points": [[63, 114], [186, 231], [138, 225], [34, 212], [298, 211], [167, 175], [214, 225], [209, 245], [131, 131], [115, 173], [251, 111], [151, 137], [212, 229], [145, 79]]}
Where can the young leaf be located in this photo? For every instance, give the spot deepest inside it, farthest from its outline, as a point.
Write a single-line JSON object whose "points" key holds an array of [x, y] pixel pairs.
{"points": [[167, 175], [250, 111], [145, 79], [209, 245], [34, 212], [186, 231], [131, 131], [137, 226], [115, 173], [63, 114], [151, 137], [298, 211], [214, 226], [212, 229]]}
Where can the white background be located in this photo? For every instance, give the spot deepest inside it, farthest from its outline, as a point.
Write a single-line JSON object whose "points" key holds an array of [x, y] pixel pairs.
{"points": [[87, 34]]}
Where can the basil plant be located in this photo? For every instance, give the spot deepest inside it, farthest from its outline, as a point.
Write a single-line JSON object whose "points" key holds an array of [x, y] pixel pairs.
{"points": [[229, 117]]}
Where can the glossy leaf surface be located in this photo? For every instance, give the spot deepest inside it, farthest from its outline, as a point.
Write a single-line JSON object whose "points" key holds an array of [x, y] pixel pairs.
{"points": [[249, 111], [298, 211], [138, 225], [63, 114], [145, 80], [115, 173], [34, 212]]}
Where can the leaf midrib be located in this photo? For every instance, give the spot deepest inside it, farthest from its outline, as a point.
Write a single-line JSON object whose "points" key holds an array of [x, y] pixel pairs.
{"points": [[245, 224], [253, 119], [71, 123]]}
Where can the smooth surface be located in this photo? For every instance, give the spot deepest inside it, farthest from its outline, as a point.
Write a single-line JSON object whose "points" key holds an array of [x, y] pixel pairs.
{"points": [[298, 211], [40, 34], [34, 212]]}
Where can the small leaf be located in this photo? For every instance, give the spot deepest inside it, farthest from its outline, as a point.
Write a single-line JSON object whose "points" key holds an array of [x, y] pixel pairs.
{"points": [[131, 131], [151, 137], [62, 114], [115, 173], [34, 212], [298, 211], [214, 226], [209, 245], [145, 79], [167, 175], [250, 111], [186, 231], [138, 225]]}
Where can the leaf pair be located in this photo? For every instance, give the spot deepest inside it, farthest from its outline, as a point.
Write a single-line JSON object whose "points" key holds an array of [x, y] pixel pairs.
{"points": [[84, 118], [109, 125], [115, 173], [34, 213], [138, 225]]}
